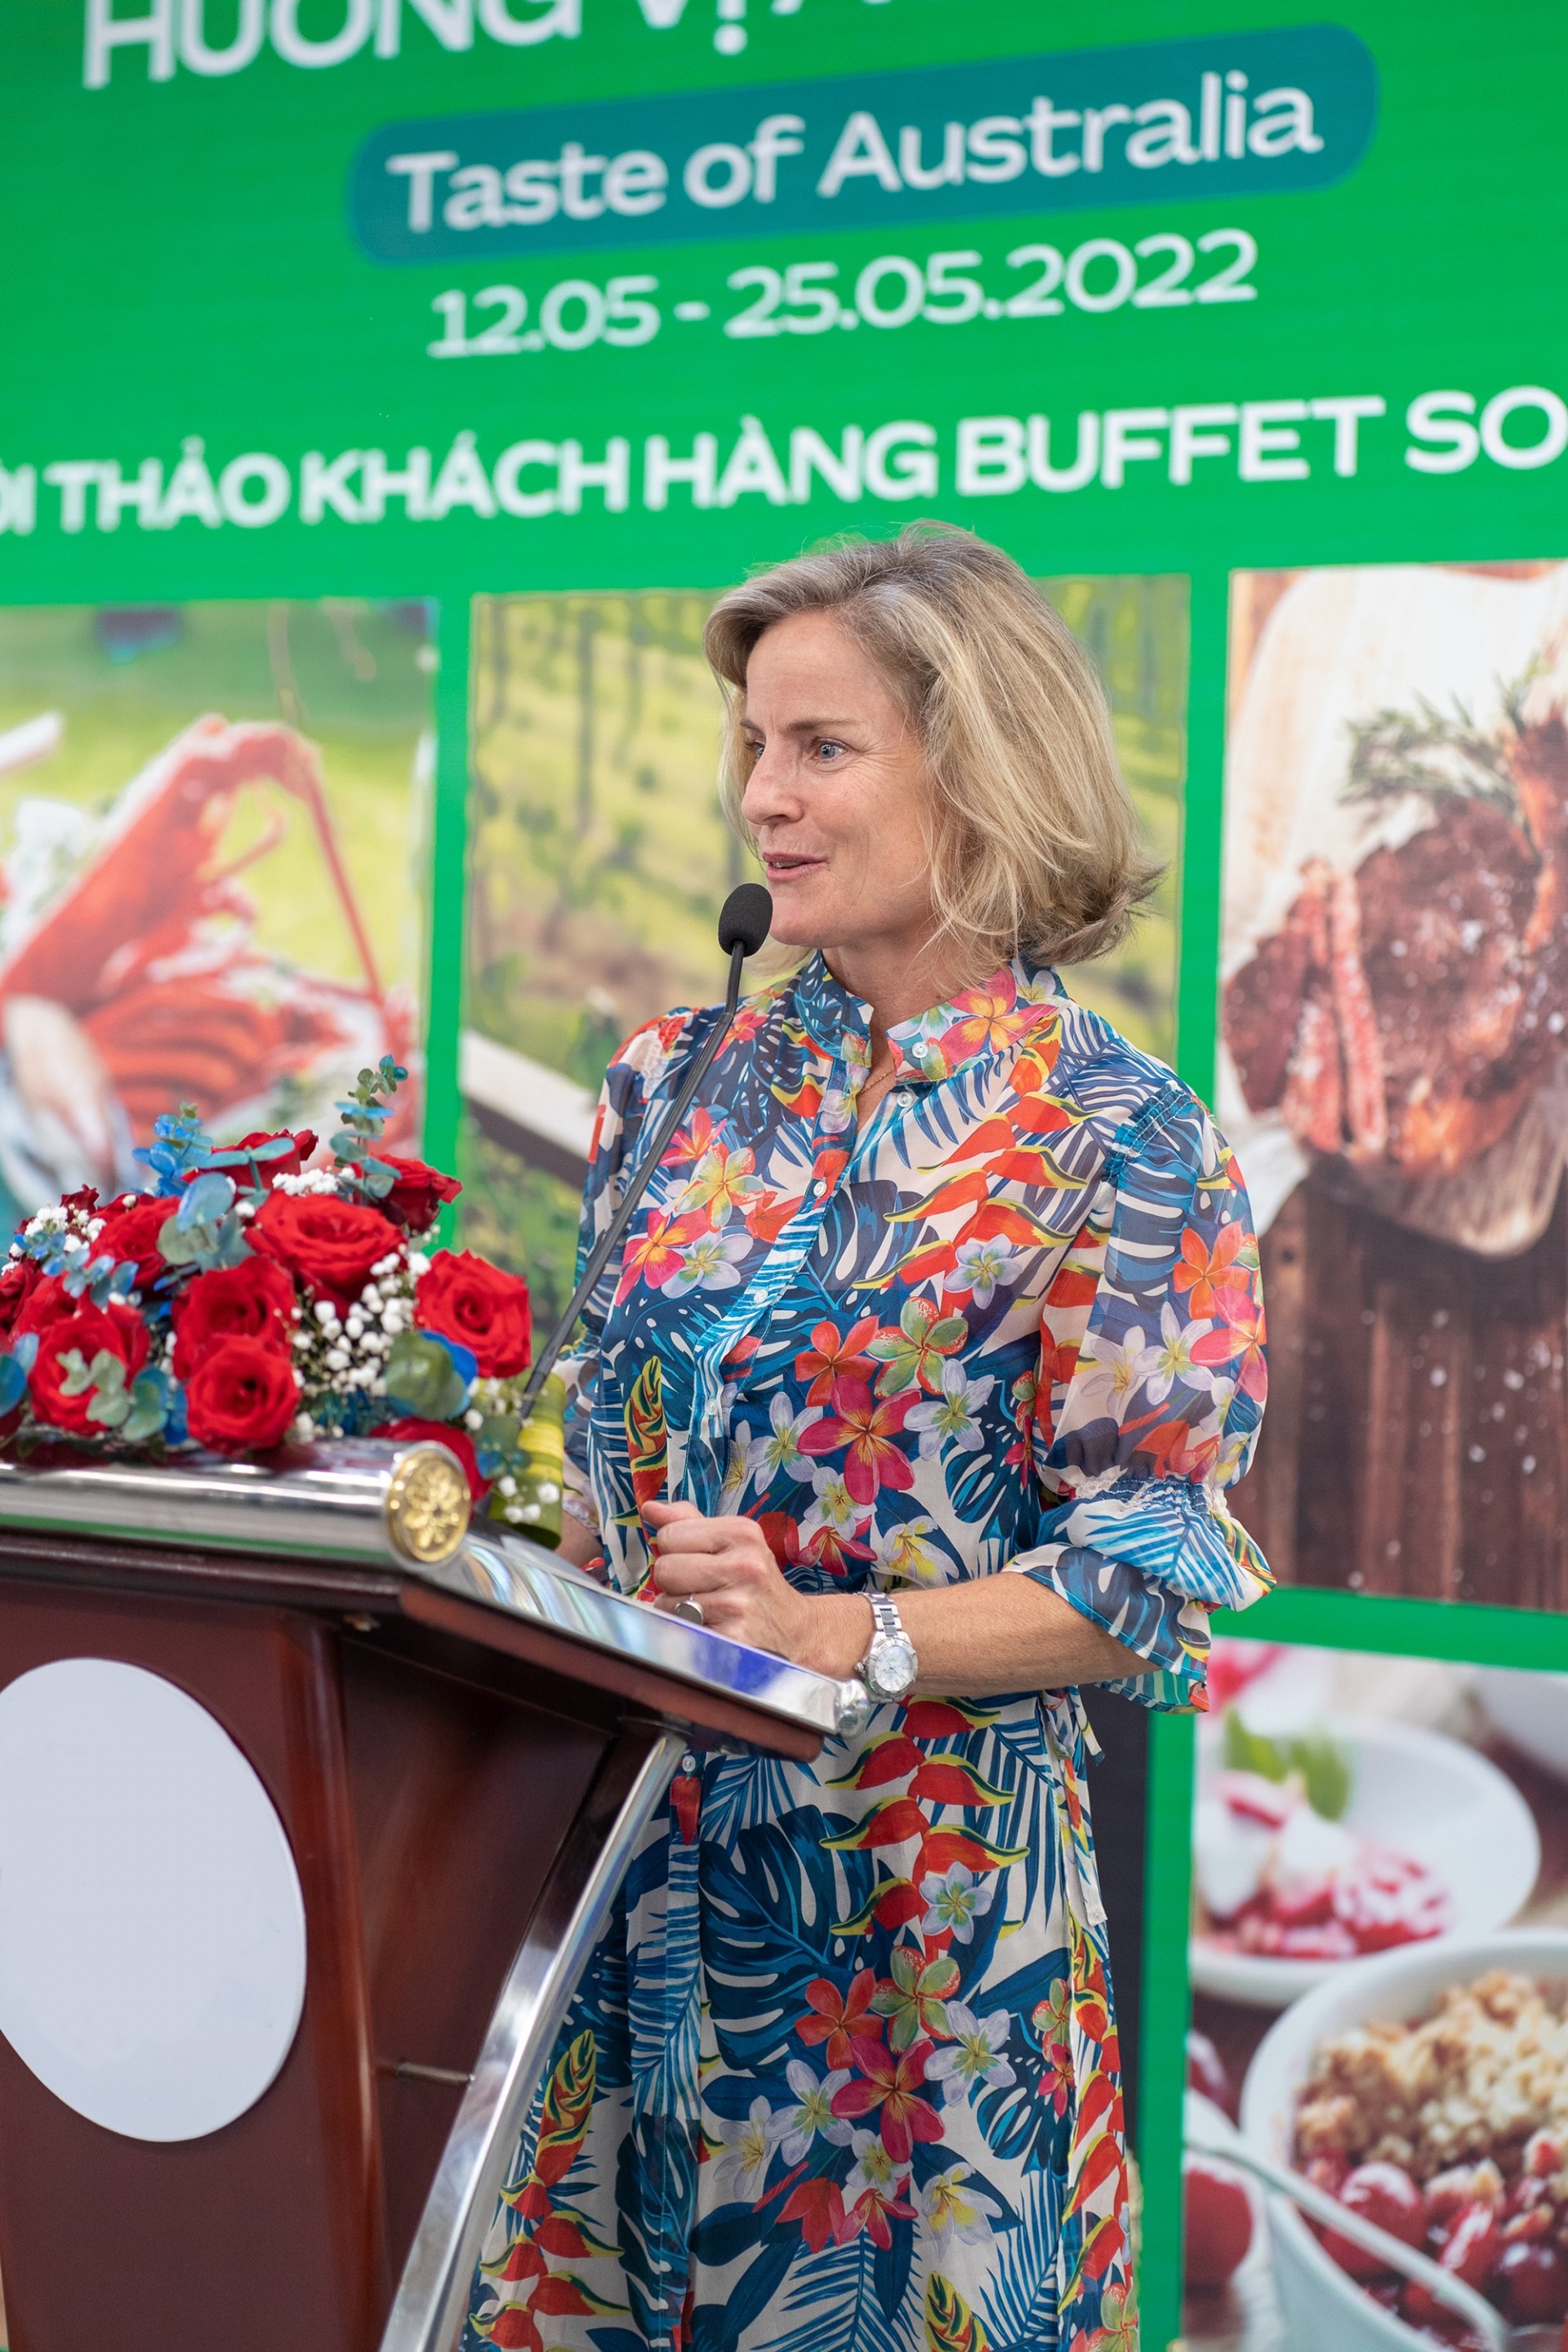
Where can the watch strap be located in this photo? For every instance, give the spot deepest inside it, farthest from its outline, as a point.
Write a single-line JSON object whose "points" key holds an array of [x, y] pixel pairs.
{"points": [[887, 1625]]}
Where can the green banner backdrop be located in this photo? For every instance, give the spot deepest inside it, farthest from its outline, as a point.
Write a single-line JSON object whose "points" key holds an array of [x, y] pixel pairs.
{"points": [[580, 308]]}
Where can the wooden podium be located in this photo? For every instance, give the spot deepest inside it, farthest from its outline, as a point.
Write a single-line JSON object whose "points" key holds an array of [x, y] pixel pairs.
{"points": [[461, 1750]]}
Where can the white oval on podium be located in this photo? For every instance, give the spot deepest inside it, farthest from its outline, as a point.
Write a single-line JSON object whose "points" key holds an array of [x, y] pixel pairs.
{"points": [[152, 1928]]}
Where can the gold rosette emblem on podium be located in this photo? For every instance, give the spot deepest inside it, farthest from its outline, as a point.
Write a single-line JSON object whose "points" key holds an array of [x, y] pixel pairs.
{"points": [[427, 1506]]}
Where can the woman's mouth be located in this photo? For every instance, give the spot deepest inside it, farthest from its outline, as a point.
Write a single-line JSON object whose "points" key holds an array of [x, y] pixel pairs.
{"points": [[782, 866]]}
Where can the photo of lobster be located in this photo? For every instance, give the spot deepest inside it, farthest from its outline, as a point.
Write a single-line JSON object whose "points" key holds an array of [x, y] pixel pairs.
{"points": [[145, 955], [1393, 1066]]}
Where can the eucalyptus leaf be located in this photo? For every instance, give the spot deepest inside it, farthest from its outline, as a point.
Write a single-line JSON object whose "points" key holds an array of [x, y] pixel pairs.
{"points": [[12, 1383], [149, 1407], [422, 1379], [278, 1147], [178, 1247], [208, 1200], [78, 1379]]}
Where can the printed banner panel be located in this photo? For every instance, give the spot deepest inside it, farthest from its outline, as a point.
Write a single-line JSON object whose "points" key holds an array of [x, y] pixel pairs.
{"points": [[213, 873], [1394, 995], [1379, 1956]]}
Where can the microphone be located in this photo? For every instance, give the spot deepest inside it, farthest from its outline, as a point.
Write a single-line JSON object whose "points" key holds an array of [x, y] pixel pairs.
{"points": [[743, 922]]}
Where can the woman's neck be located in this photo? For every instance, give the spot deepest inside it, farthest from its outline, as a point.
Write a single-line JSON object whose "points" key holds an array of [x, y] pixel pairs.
{"points": [[898, 978]]}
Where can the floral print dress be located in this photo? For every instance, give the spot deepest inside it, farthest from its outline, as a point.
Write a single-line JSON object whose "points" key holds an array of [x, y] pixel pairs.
{"points": [[842, 2075]]}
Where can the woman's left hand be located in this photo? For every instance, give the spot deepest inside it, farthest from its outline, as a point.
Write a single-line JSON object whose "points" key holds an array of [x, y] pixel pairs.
{"points": [[726, 1566]]}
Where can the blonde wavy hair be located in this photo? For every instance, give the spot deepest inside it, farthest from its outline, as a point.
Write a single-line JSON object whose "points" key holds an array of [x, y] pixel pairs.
{"points": [[1034, 841]]}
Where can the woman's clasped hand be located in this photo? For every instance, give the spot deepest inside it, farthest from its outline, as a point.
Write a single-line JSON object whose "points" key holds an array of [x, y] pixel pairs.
{"points": [[725, 1566]]}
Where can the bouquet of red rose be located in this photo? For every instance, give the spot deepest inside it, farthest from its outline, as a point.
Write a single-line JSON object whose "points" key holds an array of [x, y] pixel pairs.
{"points": [[250, 1297]]}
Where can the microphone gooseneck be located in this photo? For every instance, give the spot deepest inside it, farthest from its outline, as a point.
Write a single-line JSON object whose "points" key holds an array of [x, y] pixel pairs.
{"points": [[743, 923]]}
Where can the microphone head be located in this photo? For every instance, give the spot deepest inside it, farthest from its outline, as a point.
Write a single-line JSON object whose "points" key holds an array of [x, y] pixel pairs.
{"points": [[744, 917]]}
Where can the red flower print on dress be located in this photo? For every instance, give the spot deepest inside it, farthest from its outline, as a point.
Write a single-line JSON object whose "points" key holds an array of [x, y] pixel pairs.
{"points": [[1052, 2021], [839, 2018], [988, 1017], [656, 1254], [835, 1355], [868, 1429], [1206, 1275], [1239, 1343], [818, 2206], [892, 2084]]}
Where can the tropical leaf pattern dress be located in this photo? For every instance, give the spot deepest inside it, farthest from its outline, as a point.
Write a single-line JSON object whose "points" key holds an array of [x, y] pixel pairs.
{"points": [[842, 2075]]}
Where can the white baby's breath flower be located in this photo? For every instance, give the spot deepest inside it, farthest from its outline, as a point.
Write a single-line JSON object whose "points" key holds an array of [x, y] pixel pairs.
{"points": [[508, 1484], [472, 1420], [325, 1312]]}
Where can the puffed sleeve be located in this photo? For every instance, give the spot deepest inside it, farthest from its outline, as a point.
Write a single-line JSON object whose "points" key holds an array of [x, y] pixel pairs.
{"points": [[1148, 1398]]}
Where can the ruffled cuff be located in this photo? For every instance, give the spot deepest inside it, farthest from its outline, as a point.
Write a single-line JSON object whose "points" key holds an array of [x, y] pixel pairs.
{"points": [[1147, 1562]]}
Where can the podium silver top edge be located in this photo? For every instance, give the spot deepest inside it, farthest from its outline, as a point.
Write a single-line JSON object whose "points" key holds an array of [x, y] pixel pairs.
{"points": [[329, 1503], [506, 1571]]}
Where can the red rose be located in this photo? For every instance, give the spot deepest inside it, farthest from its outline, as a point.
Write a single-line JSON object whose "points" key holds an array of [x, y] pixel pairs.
{"points": [[119, 1328], [253, 1300], [84, 1200], [418, 1193], [18, 1280], [464, 1297], [329, 1244], [46, 1302], [441, 1432], [133, 1232], [242, 1395], [287, 1163]]}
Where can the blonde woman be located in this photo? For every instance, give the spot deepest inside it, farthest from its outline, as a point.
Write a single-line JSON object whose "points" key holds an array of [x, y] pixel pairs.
{"points": [[931, 1353]]}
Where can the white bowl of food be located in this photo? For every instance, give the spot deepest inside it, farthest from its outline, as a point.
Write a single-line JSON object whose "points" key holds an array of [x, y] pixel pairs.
{"points": [[1531, 1711], [1448, 2063], [1434, 1842]]}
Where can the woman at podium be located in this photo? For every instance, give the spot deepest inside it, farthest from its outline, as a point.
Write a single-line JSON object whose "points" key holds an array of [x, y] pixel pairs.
{"points": [[931, 1352]]}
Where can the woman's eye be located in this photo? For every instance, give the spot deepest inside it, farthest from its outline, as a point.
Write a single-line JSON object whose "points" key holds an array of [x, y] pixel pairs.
{"points": [[830, 750]]}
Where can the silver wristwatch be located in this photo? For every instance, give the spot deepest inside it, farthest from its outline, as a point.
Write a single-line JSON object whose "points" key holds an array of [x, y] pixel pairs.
{"points": [[889, 1668]]}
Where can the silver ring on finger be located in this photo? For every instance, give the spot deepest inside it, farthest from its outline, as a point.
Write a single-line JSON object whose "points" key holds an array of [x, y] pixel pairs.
{"points": [[691, 1611]]}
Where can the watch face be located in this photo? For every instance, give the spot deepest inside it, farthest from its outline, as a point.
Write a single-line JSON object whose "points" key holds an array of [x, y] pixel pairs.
{"points": [[891, 1667]]}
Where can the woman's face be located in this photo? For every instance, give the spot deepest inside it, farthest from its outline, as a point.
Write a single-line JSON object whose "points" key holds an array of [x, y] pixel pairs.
{"points": [[839, 794]]}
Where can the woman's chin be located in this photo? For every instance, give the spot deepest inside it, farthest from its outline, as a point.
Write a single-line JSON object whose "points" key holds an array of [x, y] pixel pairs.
{"points": [[799, 925]]}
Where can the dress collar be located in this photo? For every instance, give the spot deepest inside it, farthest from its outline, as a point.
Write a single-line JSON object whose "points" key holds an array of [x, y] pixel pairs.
{"points": [[977, 1026]]}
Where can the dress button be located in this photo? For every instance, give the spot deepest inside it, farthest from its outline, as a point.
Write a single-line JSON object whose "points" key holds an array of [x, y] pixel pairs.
{"points": [[903, 1098]]}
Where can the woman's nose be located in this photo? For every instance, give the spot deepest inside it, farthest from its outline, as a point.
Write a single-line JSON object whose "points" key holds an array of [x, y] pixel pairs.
{"points": [[770, 795]]}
